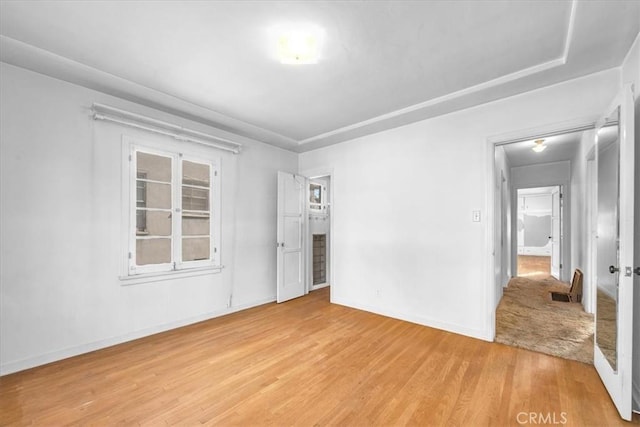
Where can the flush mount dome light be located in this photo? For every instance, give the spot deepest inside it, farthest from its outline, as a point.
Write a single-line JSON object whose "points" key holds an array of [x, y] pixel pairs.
{"points": [[299, 44], [539, 147]]}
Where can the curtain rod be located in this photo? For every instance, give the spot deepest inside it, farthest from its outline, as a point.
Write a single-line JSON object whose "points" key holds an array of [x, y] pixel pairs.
{"points": [[116, 115]]}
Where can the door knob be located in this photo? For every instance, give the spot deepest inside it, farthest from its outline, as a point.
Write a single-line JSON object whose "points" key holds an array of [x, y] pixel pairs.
{"points": [[637, 270], [613, 269]]}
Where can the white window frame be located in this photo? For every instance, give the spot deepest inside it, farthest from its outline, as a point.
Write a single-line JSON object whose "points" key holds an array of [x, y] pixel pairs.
{"points": [[131, 147], [322, 206]]}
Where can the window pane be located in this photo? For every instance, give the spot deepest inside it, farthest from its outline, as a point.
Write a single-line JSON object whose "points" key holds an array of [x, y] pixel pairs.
{"points": [[156, 223], [315, 193], [195, 249], [195, 174], [141, 191], [195, 199], [155, 168], [158, 196], [153, 251], [195, 224], [141, 221]]}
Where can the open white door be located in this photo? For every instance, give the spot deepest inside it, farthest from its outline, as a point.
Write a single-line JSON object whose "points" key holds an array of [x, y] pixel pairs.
{"points": [[614, 251], [556, 232], [291, 234]]}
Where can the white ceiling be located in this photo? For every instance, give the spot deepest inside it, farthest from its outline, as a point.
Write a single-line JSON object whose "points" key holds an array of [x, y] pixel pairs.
{"points": [[383, 63], [559, 148]]}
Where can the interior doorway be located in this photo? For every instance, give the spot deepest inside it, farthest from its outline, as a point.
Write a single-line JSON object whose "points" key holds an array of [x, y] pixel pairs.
{"points": [[545, 178], [539, 232], [319, 210]]}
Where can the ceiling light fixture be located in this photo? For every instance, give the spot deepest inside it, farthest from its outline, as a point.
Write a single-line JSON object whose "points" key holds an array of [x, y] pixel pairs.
{"points": [[539, 147], [299, 44]]}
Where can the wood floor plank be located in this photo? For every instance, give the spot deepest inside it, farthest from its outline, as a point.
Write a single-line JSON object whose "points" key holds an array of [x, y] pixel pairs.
{"points": [[306, 362]]}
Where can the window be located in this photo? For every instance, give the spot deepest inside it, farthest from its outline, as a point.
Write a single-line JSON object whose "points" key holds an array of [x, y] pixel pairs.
{"points": [[173, 212], [316, 196]]}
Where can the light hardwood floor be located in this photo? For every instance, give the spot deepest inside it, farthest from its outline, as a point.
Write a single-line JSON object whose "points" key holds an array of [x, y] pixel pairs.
{"points": [[534, 267], [307, 362]]}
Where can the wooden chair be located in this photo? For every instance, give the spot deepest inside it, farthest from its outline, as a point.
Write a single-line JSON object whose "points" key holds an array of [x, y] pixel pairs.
{"points": [[575, 292]]}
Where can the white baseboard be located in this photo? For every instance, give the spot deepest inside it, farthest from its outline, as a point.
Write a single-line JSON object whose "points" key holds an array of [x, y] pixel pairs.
{"points": [[32, 362], [420, 320]]}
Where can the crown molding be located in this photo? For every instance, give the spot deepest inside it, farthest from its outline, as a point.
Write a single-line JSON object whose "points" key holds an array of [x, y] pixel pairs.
{"points": [[499, 81]]}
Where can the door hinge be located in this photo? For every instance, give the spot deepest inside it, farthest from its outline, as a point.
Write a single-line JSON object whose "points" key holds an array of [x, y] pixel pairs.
{"points": [[129, 255], [560, 265], [215, 250], [130, 157], [215, 173]]}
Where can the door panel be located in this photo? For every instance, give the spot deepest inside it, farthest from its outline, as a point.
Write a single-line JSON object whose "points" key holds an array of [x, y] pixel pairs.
{"points": [[614, 250], [292, 232], [292, 264], [290, 228]]}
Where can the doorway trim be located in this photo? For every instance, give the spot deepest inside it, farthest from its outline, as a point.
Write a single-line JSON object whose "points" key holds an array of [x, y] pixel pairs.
{"points": [[564, 231], [565, 226], [591, 227], [312, 173]]}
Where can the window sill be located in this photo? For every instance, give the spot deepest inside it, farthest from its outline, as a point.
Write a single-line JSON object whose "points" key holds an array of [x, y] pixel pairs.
{"points": [[168, 275]]}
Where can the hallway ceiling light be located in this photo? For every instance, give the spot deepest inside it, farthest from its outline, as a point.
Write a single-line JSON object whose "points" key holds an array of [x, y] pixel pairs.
{"points": [[539, 147], [299, 45]]}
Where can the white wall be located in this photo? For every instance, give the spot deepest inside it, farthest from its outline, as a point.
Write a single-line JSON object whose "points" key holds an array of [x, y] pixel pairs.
{"points": [[61, 251], [541, 175], [404, 241], [546, 175], [631, 74], [579, 221]]}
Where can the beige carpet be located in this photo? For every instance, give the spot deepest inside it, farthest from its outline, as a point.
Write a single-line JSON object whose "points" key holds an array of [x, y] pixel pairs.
{"points": [[527, 318]]}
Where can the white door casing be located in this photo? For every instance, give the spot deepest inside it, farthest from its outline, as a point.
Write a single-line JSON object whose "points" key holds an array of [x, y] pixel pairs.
{"points": [[618, 378], [292, 191], [556, 232]]}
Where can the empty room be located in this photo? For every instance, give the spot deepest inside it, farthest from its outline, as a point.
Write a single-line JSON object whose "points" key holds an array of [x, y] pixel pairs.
{"points": [[319, 212]]}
